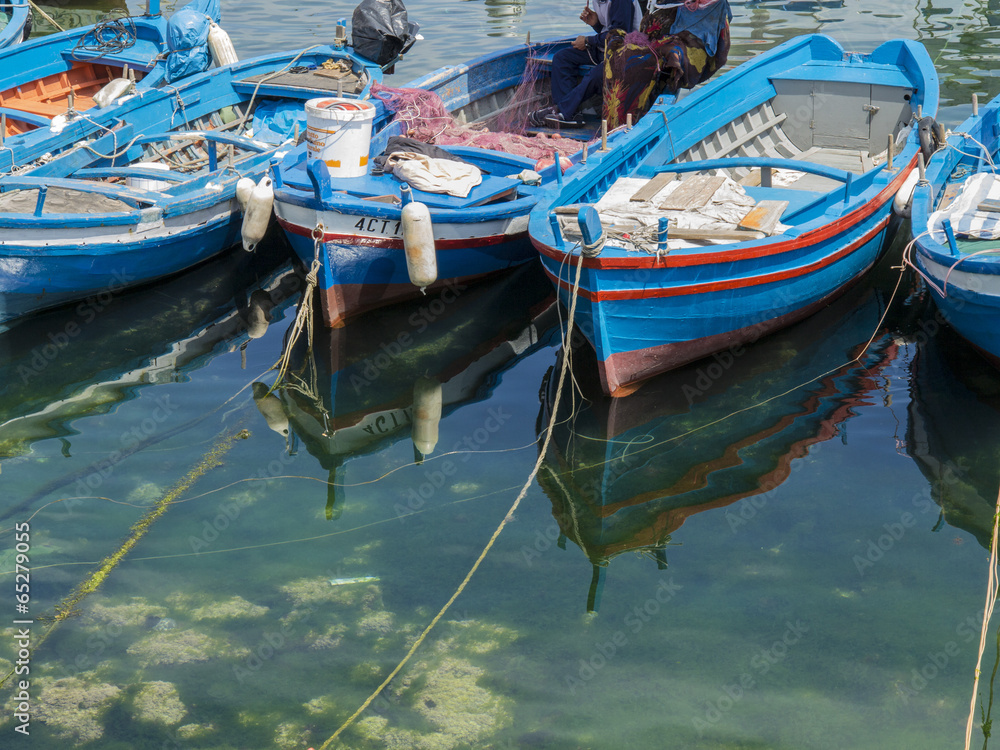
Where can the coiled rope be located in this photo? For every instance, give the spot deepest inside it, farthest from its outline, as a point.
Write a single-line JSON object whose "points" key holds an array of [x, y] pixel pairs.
{"points": [[113, 34]]}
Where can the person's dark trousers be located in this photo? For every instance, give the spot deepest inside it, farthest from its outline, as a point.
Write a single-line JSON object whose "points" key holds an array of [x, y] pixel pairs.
{"points": [[567, 94]]}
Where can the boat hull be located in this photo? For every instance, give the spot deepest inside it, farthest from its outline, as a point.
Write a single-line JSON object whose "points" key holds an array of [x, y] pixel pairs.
{"points": [[102, 265], [744, 301], [362, 271]]}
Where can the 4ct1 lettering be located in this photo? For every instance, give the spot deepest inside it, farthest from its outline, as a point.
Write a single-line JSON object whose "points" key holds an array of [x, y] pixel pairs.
{"points": [[381, 226]]}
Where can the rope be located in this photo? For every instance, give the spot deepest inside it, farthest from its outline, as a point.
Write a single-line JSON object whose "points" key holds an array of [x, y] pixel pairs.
{"points": [[113, 34], [493, 538], [45, 15], [304, 316], [991, 600], [249, 108], [65, 609]]}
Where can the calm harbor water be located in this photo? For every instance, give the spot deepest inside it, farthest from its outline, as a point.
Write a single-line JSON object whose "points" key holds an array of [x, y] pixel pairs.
{"points": [[786, 550]]}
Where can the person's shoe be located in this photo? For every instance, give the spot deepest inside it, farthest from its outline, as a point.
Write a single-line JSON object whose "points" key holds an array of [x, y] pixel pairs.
{"points": [[556, 120], [538, 117]]}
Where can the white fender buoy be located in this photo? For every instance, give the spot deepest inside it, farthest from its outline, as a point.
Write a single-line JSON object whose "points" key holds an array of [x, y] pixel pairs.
{"points": [[258, 213], [418, 243], [427, 402], [112, 90], [244, 187], [903, 200], [271, 409], [221, 46]]}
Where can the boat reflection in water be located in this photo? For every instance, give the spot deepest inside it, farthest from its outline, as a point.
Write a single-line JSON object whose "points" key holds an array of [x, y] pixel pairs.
{"points": [[86, 358], [953, 389], [624, 474], [391, 376]]}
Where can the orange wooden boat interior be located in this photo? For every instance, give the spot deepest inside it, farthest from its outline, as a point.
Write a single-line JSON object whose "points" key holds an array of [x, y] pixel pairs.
{"points": [[49, 96]]}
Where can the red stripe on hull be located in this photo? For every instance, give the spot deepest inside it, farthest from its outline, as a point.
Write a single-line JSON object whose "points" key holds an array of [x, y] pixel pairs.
{"points": [[612, 295]]}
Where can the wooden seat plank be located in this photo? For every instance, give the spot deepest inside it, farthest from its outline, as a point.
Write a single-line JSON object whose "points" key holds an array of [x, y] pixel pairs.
{"points": [[651, 188], [764, 216], [693, 192]]}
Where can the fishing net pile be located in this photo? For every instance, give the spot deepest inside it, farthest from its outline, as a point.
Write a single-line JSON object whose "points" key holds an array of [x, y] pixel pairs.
{"points": [[425, 118]]}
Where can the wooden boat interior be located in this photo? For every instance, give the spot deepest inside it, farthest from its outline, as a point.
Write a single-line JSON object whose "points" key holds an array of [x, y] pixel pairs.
{"points": [[153, 170], [334, 77], [794, 152], [34, 103], [840, 124]]}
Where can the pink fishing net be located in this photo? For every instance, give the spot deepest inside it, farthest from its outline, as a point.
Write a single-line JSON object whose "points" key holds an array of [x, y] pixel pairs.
{"points": [[425, 118]]}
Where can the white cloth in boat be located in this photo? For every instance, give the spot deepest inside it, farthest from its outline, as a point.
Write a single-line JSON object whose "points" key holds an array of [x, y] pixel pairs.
{"points": [[434, 175], [966, 220], [729, 204]]}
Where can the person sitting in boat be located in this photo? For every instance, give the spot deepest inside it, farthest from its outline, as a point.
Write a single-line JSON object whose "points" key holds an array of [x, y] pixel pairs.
{"points": [[679, 45], [607, 16]]}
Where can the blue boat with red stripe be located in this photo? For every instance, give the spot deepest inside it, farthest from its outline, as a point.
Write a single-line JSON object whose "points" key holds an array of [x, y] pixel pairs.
{"points": [[956, 230], [745, 207]]}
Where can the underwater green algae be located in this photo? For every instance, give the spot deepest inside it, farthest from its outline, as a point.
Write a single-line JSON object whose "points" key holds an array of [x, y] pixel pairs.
{"points": [[73, 707], [158, 702]]}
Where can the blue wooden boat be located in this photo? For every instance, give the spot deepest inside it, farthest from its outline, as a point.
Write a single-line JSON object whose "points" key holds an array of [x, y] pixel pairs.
{"points": [[356, 221], [799, 212], [956, 240], [57, 77], [123, 209], [16, 16]]}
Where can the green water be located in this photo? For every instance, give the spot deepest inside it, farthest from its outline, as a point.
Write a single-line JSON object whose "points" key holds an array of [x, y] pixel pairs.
{"points": [[806, 574]]}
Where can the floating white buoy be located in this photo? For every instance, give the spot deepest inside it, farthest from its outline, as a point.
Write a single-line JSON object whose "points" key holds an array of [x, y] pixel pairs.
{"points": [[221, 46], [418, 243], [271, 409], [427, 401], [258, 213], [112, 90], [244, 187], [903, 201]]}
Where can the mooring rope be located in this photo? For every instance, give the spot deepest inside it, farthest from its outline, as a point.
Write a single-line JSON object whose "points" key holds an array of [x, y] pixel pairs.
{"points": [[489, 545], [304, 316], [66, 608], [991, 600]]}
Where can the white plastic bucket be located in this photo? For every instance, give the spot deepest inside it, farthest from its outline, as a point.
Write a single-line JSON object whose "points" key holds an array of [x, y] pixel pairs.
{"points": [[339, 131], [145, 183]]}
